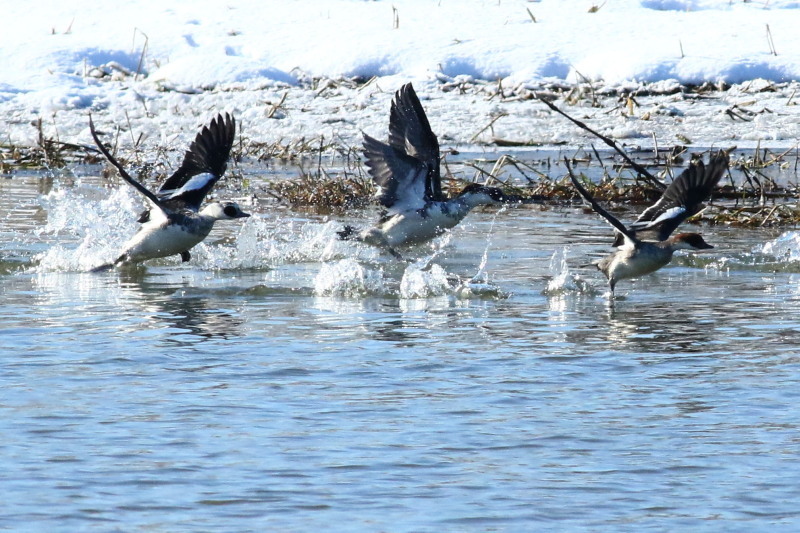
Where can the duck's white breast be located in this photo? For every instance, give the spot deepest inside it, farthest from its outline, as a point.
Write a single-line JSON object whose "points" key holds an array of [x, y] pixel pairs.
{"points": [[163, 240], [414, 227]]}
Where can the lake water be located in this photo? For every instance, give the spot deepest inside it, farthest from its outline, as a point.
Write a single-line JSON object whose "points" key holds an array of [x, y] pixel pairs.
{"points": [[283, 381]]}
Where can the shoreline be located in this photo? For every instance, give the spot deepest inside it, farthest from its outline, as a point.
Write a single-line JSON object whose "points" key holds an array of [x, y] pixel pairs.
{"points": [[290, 122]]}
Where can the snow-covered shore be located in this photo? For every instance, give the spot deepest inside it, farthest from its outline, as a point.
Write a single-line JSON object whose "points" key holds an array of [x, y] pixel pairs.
{"points": [[165, 69]]}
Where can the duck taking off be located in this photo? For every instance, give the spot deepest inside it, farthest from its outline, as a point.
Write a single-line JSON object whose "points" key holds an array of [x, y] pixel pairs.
{"points": [[174, 222], [406, 172], [646, 245]]}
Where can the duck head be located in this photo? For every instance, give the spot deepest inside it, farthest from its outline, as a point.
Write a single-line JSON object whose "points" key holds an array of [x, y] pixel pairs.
{"points": [[224, 211], [475, 194], [689, 241]]}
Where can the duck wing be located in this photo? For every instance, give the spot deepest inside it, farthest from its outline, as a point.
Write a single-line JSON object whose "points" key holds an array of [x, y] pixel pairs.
{"points": [[203, 165], [682, 199], [411, 133], [122, 172], [624, 232], [401, 179]]}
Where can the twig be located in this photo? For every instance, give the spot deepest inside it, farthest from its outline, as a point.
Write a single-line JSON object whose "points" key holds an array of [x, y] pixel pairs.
{"points": [[588, 82], [769, 215], [517, 164], [489, 125], [599, 159], [277, 106], [636, 166], [770, 42], [655, 147], [595, 8], [144, 50]]}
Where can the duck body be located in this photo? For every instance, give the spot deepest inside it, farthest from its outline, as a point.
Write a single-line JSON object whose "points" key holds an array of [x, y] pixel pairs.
{"points": [[176, 232], [417, 226], [637, 258]]}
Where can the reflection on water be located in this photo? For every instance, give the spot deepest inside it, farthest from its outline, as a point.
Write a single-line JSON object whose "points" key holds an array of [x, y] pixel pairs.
{"points": [[284, 381]]}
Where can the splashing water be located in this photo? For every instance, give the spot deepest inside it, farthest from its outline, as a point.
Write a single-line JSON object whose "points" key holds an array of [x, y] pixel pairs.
{"points": [[563, 281], [268, 242], [98, 225], [785, 247], [347, 277], [482, 276], [480, 285], [85, 228], [423, 279]]}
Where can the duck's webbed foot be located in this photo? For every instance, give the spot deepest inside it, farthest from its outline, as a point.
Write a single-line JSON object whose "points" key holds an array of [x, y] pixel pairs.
{"points": [[185, 256]]}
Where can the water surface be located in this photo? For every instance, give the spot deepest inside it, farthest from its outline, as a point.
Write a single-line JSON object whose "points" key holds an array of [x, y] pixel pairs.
{"points": [[283, 381]]}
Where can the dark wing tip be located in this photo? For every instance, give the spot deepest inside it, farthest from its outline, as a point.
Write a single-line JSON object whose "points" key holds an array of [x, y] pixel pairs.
{"points": [[209, 152], [611, 219], [214, 143], [409, 128], [717, 165], [695, 184], [688, 191]]}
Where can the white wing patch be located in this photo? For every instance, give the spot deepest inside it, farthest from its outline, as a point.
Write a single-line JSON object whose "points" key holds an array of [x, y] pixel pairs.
{"points": [[196, 183], [666, 215]]}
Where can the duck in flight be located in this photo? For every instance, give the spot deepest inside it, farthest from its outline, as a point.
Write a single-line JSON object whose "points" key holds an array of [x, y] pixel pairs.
{"points": [[174, 222], [407, 174], [646, 245]]}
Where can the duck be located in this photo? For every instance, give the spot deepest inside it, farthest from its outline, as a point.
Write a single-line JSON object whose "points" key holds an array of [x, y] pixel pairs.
{"points": [[647, 244], [406, 172], [174, 222]]}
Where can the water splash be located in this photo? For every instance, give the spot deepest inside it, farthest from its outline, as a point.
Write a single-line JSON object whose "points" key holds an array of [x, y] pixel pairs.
{"points": [[785, 247], [563, 281], [348, 278], [472, 289], [88, 227], [423, 279], [480, 286], [482, 275], [269, 242]]}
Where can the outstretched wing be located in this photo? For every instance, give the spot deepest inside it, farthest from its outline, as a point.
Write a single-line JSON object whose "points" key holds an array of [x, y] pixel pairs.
{"points": [[122, 172], [400, 178], [410, 133], [203, 165], [682, 199], [611, 219]]}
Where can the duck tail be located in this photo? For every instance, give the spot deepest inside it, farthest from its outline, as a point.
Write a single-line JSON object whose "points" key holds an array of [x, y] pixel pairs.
{"points": [[103, 268], [108, 266]]}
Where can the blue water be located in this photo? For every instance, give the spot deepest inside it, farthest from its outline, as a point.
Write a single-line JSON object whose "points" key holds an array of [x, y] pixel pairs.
{"points": [[278, 382]]}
